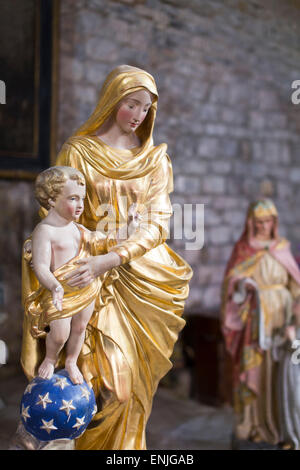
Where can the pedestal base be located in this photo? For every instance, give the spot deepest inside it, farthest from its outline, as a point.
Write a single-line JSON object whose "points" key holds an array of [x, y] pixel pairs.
{"points": [[23, 440]]}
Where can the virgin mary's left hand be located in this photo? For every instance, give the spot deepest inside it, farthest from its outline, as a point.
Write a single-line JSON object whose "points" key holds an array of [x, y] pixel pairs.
{"points": [[92, 267]]}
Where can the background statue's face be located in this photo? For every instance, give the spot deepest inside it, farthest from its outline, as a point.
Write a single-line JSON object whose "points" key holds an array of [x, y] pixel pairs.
{"points": [[132, 111], [263, 227]]}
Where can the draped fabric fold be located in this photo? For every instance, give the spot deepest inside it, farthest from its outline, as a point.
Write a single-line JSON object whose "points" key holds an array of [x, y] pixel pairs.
{"points": [[137, 317]]}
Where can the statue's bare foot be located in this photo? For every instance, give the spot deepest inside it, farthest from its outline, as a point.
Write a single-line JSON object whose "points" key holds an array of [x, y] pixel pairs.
{"points": [[74, 373], [46, 369]]}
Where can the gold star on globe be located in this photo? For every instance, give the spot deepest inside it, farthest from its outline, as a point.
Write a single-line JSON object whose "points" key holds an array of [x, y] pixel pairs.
{"points": [[62, 383], [29, 387], [85, 393], [79, 422], [48, 425], [44, 400], [67, 406], [25, 413]]}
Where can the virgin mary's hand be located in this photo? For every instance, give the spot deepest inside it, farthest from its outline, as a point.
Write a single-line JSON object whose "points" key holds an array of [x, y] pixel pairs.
{"points": [[92, 267]]}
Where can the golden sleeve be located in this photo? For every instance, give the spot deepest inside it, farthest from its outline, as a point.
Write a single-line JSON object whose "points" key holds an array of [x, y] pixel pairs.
{"points": [[153, 228]]}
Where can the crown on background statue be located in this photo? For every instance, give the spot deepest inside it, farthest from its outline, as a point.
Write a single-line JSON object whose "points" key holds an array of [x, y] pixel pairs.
{"points": [[264, 208]]}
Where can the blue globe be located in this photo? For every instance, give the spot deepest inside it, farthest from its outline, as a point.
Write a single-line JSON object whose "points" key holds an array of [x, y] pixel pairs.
{"points": [[56, 408]]}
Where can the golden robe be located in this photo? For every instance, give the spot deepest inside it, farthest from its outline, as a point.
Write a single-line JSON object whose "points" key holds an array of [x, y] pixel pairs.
{"points": [[137, 317]]}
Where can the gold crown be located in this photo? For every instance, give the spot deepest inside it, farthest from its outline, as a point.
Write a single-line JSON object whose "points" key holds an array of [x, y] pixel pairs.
{"points": [[264, 208]]}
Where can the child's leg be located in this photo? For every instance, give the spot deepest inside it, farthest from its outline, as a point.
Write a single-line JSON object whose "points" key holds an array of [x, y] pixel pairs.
{"points": [[55, 340], [78, 326]]}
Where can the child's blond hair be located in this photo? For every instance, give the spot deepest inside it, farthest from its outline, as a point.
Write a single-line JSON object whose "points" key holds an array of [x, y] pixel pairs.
{"points": [[50, 183]]}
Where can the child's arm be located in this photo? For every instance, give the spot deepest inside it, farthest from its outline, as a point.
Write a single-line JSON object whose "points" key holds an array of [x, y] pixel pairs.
{"points": [[41, 260]]}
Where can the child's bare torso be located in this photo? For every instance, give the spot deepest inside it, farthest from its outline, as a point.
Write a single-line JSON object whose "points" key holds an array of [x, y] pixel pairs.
{"points": [[65, 242]]}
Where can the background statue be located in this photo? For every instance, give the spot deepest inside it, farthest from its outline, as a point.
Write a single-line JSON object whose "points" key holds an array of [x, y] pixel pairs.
{"points": [[261, 291]]}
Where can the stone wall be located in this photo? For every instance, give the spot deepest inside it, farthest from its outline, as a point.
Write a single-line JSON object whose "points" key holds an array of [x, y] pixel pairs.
{"points": [[224, 71]]}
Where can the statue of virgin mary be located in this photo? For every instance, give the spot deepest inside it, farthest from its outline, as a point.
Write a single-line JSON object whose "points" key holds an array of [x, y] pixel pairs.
{"points": [[138, 313]]}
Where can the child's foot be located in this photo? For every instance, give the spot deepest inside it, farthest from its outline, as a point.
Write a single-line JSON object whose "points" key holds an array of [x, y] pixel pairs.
{"points": [[46, 369], [74, 373]]}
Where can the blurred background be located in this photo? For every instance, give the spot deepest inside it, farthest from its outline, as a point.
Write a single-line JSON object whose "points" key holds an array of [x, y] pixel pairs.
{"points": [[224, 71]]}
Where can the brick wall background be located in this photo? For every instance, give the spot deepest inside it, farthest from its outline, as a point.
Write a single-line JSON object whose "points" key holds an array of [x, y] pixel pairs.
{"points": [[224, 71]]}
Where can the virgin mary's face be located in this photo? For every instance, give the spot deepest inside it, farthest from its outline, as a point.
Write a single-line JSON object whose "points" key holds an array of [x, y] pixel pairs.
{"points": [[132, 111], [263, 227]]}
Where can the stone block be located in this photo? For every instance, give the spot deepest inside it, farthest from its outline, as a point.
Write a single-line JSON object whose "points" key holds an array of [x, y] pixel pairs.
{"points": [[209, 112], [221, 167], [268, 100], [85, 95], [191, 166], [194, 300], [233, 116], [236, 218], [218, 130], [72, 69], [187, 184], [219, 235], [295, 175], [89, 23], [212, 297], [229, 147], [96, 73], [238, 95], [219, 94], [257, 120], [69, 6], [211, 217], [225, 202], [272, 153], [284, 191], [103, 50], [214, 185], [257, 150], [208, 147], [276, 120], [259, 169], [209, 274]]}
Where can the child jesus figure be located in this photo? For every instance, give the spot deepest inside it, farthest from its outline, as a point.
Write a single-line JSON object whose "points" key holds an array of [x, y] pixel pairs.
{"points": [[58, 245]]}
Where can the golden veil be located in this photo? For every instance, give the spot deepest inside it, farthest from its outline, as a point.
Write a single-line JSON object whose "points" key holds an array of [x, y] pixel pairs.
{"points": [[137, 317]]}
